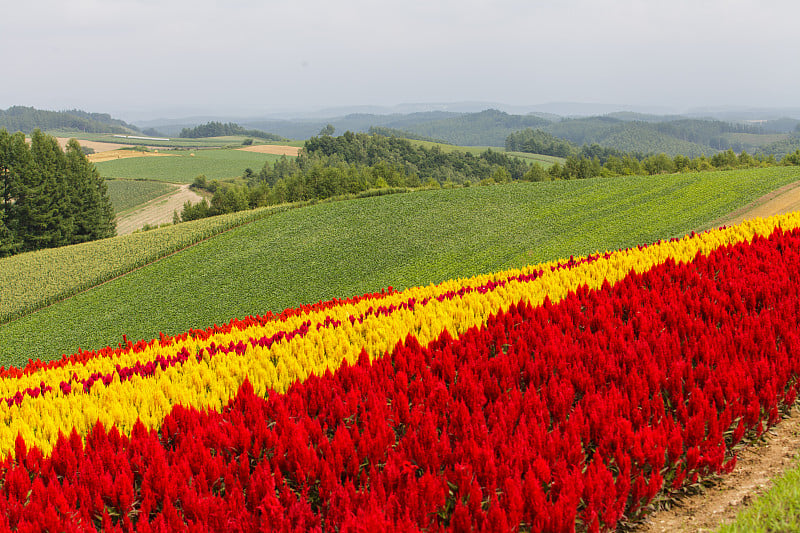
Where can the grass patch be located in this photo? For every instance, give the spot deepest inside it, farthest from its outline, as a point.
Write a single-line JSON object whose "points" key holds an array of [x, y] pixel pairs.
{"points": [[185, 165], [126, 195], [345, 248], [777, 510]]}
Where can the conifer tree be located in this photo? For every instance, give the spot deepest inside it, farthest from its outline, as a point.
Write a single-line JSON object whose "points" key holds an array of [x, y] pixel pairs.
{"points": [[15, 168], [44, 215], [92, 212]]}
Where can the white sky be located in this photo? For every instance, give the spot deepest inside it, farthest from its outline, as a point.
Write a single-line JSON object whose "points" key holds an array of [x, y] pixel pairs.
{"points": [[174, 57]]}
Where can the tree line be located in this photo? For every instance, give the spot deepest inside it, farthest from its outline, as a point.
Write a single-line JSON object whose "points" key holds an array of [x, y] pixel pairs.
{"points": [[359, 164], [48, 196], [354, 164], [582, 166], [218, 129]]}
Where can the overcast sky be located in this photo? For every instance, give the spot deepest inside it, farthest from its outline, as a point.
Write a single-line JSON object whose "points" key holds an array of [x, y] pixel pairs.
{"points": [[147, 58]]}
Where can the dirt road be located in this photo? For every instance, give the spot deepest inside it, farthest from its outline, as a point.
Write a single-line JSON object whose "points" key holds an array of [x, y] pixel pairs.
{"points": [[780, 201], [158, 211]]}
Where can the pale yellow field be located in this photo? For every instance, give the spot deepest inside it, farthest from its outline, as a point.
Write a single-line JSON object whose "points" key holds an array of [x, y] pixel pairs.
{"points": [[122, 154], [94, 145], [274, 149]]}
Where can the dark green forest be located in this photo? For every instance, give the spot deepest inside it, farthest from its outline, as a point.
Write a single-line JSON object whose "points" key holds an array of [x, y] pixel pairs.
{"points": [[49, 197], [27, 119], [218, 129], [394, 132], [487, 128], [779, 148]]}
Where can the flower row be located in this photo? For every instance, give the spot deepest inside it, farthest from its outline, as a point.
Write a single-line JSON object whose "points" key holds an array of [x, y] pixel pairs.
{"points": [[204, 369], [547, 417]]}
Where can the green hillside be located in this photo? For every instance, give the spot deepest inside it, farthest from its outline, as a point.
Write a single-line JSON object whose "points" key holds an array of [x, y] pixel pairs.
{"points": [[487, 128], [689, 137], [340, 249], [27, 119]]}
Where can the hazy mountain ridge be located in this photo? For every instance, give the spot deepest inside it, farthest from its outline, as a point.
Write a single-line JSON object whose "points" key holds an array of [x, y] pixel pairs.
{"points": [[27, 119]]}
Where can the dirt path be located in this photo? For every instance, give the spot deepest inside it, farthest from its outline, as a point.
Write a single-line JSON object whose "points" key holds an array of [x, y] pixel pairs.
{"points": [[778, 202], [756, 467], [158, 211]]}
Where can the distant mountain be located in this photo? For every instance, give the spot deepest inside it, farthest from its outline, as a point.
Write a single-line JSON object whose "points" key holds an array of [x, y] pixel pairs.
{"points": [[672, 135], [27, 119], [741, 113], [627, 130], [487, 128]]}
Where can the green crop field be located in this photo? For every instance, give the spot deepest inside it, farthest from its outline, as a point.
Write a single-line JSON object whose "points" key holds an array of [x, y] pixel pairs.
{"points": [[233, 141], [185, 165], [128, 194], [340, 249], [32, 280]]}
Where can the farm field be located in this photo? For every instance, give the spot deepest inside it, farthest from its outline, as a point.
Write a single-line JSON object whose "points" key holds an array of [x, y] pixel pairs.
{"points": [[128, 194], [32, 280], [357, 246], [184, 165], [157, 212], [113, 155], [559, 396], [544, 160], [274, 149], [233, 141]]}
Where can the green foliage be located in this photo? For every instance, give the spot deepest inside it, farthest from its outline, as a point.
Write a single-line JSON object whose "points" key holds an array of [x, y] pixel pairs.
{"points": [[782, 147], [27, 119], [370, 150], [128, 194], [247, 142], [339, 249], [218, 129], [792, 159], [50, 197], [539, 142], [196, 211]]}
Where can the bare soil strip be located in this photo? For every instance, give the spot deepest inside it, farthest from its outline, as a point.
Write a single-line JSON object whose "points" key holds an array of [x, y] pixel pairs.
{"points": [[157, 211], [274, 149]]}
